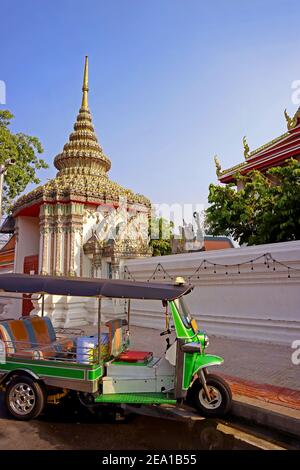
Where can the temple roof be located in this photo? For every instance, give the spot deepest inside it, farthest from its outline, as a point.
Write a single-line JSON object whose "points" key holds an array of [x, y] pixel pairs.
{"points": [[8, 226], [7, 255], [82, 168], [273, 153]]}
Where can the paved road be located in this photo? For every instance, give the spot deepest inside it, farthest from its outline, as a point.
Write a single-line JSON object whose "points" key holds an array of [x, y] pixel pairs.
{"points": [[66, 427]]}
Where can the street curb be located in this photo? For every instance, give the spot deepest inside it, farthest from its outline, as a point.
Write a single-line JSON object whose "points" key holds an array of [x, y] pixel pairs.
{"points": [[272, 416]]}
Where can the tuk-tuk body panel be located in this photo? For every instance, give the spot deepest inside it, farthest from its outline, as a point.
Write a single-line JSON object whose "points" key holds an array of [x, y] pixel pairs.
{"points": [[75, 376]]}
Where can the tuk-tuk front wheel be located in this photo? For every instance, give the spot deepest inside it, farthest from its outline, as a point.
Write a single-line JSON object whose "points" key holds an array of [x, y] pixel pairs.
{"points": [[25, 398], [220, 396]]}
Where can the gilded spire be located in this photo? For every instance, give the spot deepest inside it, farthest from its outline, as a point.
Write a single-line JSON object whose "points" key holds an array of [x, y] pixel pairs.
{"points": [[82, 168], [85, 85], [83, 154]]}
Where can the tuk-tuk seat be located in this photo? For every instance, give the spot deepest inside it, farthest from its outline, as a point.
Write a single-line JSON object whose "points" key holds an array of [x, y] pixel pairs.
{"points": [[135, 356], [44, 333], [33, 337]]}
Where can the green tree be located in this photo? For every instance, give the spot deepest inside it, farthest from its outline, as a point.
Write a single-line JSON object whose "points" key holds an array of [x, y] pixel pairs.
{"points": [[266, 210], [24, 150], [161, 235]]}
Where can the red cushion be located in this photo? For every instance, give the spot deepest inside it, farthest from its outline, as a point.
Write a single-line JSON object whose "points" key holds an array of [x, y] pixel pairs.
{"points": [[135, 356]]}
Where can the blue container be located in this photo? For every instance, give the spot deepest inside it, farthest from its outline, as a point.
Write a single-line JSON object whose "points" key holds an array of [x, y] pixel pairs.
{"points": [[85, 347]]}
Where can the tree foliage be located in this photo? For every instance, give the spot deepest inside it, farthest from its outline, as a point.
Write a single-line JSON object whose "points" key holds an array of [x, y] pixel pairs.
{"points": [[266, 210], [161, 235], [24, 150]]}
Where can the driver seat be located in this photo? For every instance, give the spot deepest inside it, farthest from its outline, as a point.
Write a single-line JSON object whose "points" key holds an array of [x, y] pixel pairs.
{"points": [[135, 356]]}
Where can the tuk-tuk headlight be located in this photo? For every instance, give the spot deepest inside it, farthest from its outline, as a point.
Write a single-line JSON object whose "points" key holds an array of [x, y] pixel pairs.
{"points": [[206, 341]]}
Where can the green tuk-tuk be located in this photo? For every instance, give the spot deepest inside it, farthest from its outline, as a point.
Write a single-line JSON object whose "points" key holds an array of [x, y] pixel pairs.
{"points": [[40, 364]]}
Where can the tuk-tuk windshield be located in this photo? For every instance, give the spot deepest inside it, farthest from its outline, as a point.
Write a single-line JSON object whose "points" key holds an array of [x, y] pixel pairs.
{"points": [[184, 312]]}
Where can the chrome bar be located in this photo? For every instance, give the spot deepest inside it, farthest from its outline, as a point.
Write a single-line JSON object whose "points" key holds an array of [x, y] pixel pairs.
{"points": [[43, 304], [99, 330], [128, 313], [64, 356], [20, 298]]}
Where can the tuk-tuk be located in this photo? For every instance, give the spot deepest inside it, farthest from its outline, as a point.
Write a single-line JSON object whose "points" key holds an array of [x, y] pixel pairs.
{"points": [[41, 364]]}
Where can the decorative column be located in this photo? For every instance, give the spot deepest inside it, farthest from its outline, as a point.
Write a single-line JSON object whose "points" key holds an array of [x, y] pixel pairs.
{"points": [[75, 225], [58, 252], [66, 238], [71, 271], [45, 233], [52, 249], [47, 222]]}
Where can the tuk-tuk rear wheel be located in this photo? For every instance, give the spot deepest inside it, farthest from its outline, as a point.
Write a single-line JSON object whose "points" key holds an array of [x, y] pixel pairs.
{"points": [[221, 396], [25, 398]]}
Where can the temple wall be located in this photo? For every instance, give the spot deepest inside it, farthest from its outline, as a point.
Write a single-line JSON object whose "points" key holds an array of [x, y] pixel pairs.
{"points": [[259, 304], [27, 244], [28, 240]]}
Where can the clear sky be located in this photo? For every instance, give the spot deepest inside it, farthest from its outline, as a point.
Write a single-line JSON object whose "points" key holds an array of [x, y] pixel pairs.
{"points": [[172, 82]]}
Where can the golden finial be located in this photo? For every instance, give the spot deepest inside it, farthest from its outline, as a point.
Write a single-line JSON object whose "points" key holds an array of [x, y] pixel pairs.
{"points": [[291, 122], [246, 148], [218, 166], [85, 87]]}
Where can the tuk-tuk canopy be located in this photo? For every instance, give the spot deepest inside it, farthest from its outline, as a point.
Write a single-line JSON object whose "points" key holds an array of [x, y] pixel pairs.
{"points": [[86, 287]]}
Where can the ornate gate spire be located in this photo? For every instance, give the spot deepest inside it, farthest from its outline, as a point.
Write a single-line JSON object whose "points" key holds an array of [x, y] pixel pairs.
{"points": [[82, 169], [83, 154]]}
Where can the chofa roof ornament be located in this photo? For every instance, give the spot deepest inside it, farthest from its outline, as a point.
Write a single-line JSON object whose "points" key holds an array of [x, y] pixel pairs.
{"points": [[218, 166], [292, 121]]}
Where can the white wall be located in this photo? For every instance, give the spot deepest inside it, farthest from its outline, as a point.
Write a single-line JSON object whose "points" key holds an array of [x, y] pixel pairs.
{"points": [[27, 244], [259, 304], [28, 240]]}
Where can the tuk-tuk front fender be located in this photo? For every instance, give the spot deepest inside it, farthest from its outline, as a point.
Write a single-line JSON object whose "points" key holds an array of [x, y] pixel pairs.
{"points": [[194, 362], [206, 360]]}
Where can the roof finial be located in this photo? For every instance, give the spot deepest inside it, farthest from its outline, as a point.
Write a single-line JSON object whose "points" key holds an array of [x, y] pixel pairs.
{"points": [[246, 148], [218, 166], [85, 87], [291, 121]]}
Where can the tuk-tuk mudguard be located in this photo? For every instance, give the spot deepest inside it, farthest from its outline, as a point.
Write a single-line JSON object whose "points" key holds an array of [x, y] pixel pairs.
{"points": [[5, 377], [194, 362]]}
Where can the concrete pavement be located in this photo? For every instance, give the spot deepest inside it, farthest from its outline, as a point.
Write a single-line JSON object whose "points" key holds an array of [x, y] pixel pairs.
{"points": [[262, 363]]}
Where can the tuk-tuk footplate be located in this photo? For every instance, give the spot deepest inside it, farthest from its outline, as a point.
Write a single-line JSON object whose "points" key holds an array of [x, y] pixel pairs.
{"points": [[142, 398]]}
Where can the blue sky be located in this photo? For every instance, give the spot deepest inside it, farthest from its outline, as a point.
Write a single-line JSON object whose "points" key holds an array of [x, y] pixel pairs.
{"points": [[172, 82]]}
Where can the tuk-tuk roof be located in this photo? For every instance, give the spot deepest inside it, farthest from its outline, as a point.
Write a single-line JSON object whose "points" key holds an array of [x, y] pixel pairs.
{"points": [[87, 287]]}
